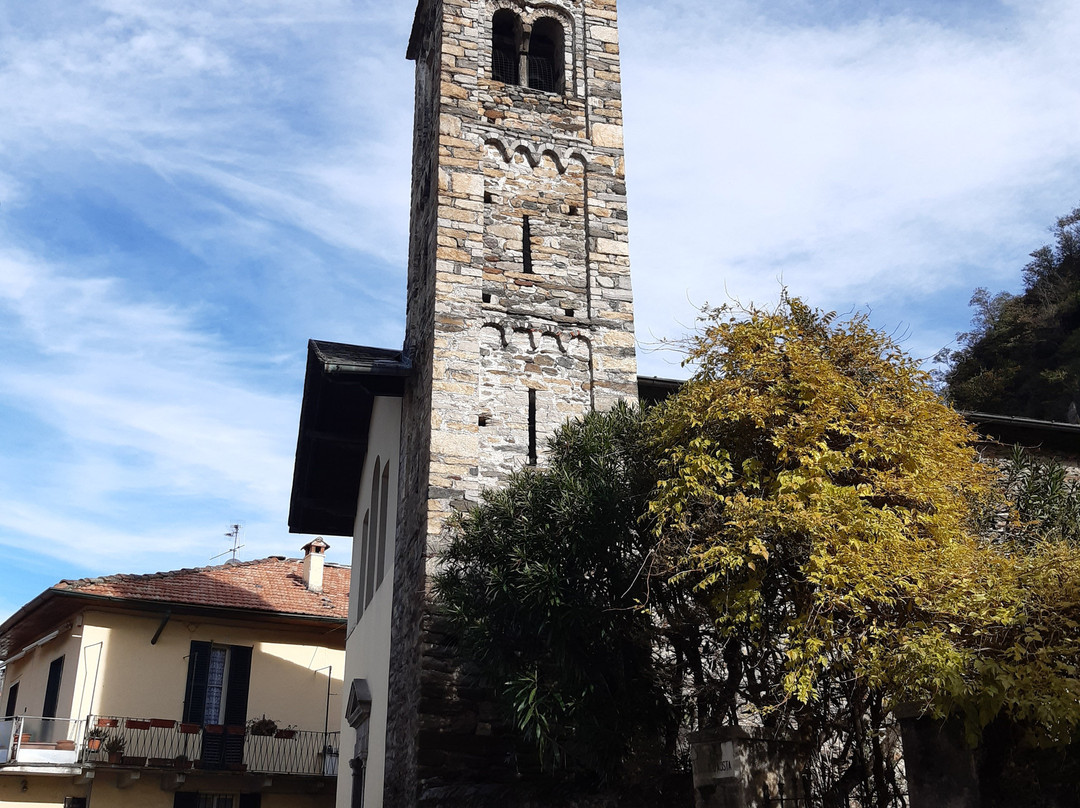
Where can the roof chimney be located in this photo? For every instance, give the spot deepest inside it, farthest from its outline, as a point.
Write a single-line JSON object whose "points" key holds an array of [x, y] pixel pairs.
{"points": [[313, 563]]}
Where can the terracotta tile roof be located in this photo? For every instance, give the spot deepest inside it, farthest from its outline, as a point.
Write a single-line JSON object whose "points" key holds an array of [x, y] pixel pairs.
{"points": [[272, 584]]}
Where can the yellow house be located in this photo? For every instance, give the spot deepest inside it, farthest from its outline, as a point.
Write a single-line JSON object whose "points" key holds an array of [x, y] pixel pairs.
{"points": [[216, 687]]}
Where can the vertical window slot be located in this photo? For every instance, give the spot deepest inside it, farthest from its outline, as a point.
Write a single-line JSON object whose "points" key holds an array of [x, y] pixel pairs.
{"points": [[532, 427], [526, 245]]}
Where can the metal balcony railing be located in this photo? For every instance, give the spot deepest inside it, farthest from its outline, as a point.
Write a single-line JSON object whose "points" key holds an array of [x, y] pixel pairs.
{"points": [[159, 743], [28, 739]]}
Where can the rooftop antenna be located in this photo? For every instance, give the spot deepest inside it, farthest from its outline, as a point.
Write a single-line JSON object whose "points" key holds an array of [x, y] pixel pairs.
{"points": [[234, 534]]}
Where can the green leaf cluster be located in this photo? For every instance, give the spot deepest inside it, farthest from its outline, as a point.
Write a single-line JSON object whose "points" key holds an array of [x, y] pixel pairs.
{"points": [[545, 581]]}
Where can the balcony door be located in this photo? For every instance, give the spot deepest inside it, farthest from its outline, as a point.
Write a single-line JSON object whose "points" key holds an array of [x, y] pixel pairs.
{"points": [[216, 696]]}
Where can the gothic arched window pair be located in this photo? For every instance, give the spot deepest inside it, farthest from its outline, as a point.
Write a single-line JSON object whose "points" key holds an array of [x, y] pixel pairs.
{"points": [[542, 51]]}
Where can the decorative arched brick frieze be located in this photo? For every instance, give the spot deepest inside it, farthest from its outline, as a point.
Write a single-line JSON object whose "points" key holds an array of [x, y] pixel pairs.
{"points": [[508, 329], [562, 156], [500, 328]]}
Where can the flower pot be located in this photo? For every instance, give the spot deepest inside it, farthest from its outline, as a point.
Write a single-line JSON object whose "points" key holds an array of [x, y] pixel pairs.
{"points": [[162, 723], [235, 729], [115, 758], [190, 729], [133, 760], [214, 729], [182, 764], [136, 723], [93, 744], [108, 722], [285, 733]]}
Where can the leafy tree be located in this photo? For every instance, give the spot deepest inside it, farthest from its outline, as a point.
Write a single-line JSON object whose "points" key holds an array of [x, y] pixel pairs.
{"points": [[544, 581], [812, 486], [834, 515], [1022, 355]]}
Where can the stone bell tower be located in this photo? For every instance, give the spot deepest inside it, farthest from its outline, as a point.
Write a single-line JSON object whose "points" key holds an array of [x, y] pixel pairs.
{"points": [[520, 313]]}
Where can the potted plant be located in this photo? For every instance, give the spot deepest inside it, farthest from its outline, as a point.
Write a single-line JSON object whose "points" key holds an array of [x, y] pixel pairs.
{"points": [[94, 739], [286, 732], [114, 747], [263, 727], [187, 728], [136, 723]]}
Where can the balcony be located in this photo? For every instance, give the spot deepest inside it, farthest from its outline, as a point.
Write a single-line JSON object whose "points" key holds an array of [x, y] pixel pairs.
{"points": [[25, 739], [159, 743]]}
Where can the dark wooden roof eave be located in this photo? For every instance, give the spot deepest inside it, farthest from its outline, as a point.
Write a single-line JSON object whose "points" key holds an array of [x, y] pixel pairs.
{"points": [[340, 387]]}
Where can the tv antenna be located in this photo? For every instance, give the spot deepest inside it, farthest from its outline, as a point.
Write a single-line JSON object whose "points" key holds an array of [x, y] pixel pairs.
{"points": [[234, 534]]}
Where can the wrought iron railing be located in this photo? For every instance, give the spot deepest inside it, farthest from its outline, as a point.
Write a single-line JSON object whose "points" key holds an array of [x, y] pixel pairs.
{"points": [[167, 744]]}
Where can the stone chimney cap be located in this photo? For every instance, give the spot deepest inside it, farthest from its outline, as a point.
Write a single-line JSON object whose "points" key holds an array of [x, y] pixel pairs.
{"points": [[317, 546]]}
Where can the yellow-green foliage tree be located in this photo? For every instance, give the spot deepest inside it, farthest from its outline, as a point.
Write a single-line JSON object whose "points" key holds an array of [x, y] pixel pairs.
{"points": [[833, 514]]}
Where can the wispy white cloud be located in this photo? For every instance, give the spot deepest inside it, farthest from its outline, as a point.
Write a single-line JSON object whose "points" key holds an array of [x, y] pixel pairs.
{"points": [[292, 115], [870, 162], [149, 407]]}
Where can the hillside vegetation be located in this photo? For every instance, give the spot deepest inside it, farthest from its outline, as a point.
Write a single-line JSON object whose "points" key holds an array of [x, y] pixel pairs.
{"points": [[1022, 356]]}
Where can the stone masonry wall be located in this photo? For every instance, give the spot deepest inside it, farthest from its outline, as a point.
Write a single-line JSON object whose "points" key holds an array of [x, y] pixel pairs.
{"points": [[483, 330], [403, 698]]}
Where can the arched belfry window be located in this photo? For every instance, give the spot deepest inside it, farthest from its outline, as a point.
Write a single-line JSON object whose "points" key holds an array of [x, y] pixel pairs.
{"points": [[546, 49], [506, 47]]}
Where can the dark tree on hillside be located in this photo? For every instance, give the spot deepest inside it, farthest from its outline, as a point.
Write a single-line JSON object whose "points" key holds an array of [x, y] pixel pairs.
{"points": [[1022, 356]]}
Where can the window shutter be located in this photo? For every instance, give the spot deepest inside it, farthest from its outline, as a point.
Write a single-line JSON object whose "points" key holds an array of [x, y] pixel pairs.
{"points": [[195, 689], [186, 799], [236, 697], [251, 800]]}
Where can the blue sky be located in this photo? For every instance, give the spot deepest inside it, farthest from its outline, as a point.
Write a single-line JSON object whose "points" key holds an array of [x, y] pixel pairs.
{"points": [[191, 190]]}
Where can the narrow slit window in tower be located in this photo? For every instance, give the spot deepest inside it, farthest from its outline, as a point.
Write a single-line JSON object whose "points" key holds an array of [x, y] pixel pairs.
{"points": [[532, 427], [546, 56], [526, 245], [505, 46]]}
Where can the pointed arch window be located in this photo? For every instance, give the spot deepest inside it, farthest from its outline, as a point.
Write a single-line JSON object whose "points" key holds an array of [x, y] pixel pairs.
{"points": [[506, 47], [546, 55]]}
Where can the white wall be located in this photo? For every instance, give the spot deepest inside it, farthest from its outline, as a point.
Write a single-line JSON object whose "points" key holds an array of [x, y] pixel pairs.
{"points": [[367, 651]]}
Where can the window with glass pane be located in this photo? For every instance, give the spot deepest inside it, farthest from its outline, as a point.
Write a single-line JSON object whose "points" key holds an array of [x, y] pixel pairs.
{"points": [[215, 685]]}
